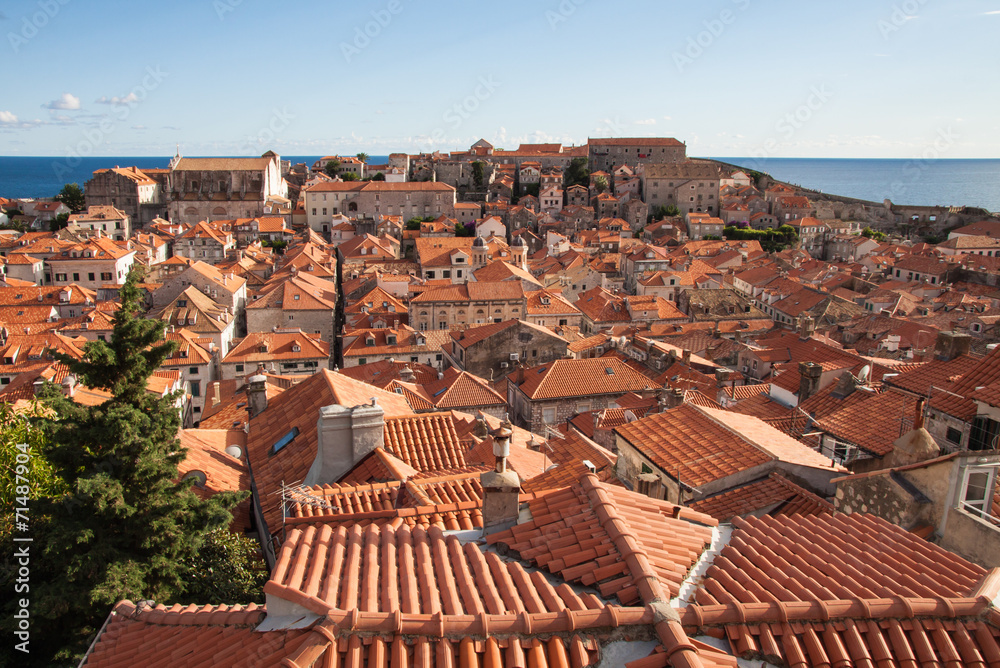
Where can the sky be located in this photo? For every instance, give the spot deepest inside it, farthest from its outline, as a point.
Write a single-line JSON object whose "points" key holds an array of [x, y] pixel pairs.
{"points": [[850, 79]]}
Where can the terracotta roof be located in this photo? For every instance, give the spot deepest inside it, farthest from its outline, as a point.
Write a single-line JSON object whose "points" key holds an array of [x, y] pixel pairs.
{"points": [[577, 378], [873, 424], [592, 533], [298, 408], [687, 438], [281, 345], [426, 442], [222, 164], [456, 390], [776, 494]]}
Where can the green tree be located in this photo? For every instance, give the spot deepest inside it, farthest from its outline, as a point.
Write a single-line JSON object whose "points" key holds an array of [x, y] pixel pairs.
{"points": [[227, 568], [363, 157], [379, 176], [24, 471], [601, 184], [331, 168], [873, 234], [478, 168], [72, 196], [126, 527], [668, 211], [59, 222], [463, 230], [577, 173], [349, 176]]}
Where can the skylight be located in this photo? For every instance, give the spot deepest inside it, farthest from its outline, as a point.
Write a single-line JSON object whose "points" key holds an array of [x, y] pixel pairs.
{"points": [[440, 392], [284, 440]]}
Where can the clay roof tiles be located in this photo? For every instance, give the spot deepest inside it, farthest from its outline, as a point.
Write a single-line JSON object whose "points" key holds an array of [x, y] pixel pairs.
{"points": [[776, 493], [592, 533], [571, 378]]}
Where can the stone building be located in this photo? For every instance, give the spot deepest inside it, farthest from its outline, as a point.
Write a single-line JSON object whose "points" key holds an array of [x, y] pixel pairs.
{"points": [[129, 189], [104, 221], [219, 188], [692, 186], [373, 199], [549, 394], [283, 351], [490, 351], [458, 306], [91, 264], [205, 241], [301, 301], [606, 153]]}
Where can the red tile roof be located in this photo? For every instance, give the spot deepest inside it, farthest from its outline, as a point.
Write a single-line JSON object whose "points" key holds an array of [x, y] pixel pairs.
{"points": [[687, 438], [577, 378], [593, 533], [776, 494]]}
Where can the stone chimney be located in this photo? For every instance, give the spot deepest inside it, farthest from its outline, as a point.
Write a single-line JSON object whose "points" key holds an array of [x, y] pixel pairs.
{"points": [[257, 394], [845, 385], [500, 486], [674, 397], [809, 374], [344, 436], [916, 445], [686, 357], [69, 385], [807, 327], [952, 344], [722, 376], [648, 484], [406, 374]]}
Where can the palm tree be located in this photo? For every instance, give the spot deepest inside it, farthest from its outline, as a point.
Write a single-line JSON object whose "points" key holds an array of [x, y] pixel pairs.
{"points": [[363, 157]]}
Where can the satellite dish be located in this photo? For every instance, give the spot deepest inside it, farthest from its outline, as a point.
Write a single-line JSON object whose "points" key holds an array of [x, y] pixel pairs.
{"points": [[864, 373]]}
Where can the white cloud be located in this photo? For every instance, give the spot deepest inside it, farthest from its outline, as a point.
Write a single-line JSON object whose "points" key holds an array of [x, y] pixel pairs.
{"points": [[667, 118], [131, 98], [993, 13], [66, 102], [646, 121], [7, 118]]}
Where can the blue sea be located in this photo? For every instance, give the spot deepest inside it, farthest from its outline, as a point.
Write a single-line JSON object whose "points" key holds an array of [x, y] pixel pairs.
{"points": [[918, 182], [45, 176]]}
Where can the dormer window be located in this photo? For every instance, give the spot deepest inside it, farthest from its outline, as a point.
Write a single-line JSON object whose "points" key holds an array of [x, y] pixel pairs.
{"points": [[370, 341], [391, 339], [296, 348]]}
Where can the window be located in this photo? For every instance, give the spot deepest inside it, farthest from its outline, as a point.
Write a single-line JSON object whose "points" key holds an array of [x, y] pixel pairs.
{"points": [[76, 277], [90, 276], [284, 440], [583, 407], [193, 371], [239, 368], [954, 435], [106, 276], [549, 415], [977, 490], [195, 388]]}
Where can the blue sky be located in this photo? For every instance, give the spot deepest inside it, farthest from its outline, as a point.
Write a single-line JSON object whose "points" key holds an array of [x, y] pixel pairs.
{"points": [[857, 78]]}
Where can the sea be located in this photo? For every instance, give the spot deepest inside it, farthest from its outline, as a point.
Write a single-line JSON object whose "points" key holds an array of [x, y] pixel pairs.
{"points": [[974, 183]]}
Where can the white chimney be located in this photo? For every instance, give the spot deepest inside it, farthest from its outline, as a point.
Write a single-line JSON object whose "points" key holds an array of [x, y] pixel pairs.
{"points": [[500, 486], [345, 436]]}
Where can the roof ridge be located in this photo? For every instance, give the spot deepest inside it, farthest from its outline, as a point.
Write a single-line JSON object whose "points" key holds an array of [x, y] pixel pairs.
{"points": [[606, 510]]}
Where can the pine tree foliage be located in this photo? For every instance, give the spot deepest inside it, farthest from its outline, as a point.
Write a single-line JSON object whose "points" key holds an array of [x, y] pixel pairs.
{"points": [[126, 528]]}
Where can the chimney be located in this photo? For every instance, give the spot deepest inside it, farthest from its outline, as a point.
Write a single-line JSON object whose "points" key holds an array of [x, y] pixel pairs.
{"points": [[345, 436], [809, 374], [722, 376], [36, 387], [686, 357], [214, 391], [648, 484], [69, 385], [500, 486], [257, 394], [406, 374], [918, 418], [952, 344], [807, 327], [675, 397]]}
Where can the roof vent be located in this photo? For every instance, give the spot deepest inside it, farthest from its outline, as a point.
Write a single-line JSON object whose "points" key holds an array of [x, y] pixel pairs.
{"points": [[608, 370]]}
